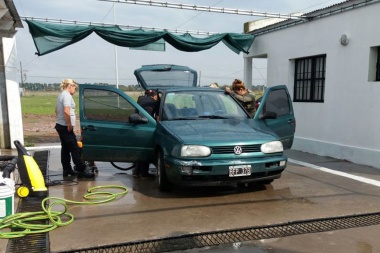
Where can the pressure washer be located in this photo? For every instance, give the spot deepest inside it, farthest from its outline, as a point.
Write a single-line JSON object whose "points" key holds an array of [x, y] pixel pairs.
{"points": [[33, 183]]}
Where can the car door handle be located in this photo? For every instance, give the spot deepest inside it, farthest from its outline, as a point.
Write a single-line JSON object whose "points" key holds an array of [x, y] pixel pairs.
{"points": [[291, 121], [89, 128]]}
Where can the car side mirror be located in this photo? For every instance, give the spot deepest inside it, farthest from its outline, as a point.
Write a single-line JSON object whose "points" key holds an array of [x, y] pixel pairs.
{"points": [[268, 115], [136, 118]]}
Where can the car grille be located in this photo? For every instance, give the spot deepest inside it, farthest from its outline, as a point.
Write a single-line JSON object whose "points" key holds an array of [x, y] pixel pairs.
{"points": [[230, 149]]}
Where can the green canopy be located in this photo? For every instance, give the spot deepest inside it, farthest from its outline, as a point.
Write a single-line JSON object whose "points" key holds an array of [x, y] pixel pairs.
{"points": [[49, 37]]}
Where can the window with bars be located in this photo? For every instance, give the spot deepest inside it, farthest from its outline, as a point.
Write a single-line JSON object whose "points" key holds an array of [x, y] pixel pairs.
{"points": [[378, 65], [309, 80]]}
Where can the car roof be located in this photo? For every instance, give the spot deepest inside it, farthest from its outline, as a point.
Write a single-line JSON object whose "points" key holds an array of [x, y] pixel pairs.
{"points": [[190, 89]]}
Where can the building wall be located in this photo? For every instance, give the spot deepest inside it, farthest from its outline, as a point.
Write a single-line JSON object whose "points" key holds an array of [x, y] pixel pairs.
{"points": [[12, 91], [347, 124]]}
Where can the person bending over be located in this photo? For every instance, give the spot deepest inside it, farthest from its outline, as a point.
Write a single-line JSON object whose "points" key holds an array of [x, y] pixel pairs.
{"points": [[243, 95], [150, 103]]}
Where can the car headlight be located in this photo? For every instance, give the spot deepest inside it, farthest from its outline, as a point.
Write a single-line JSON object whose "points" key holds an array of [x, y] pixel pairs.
{"points": [[195, 151], [272, 147]]}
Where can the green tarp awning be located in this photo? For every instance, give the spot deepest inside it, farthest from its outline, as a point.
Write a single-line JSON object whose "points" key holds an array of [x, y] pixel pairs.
{"points": [[49, 37]]}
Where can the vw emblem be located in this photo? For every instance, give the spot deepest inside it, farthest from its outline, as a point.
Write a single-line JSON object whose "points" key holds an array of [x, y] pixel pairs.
{"points": [[237, 150]]}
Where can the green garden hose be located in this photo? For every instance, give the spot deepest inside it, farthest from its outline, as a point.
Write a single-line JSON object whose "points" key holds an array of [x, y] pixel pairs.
{"points": [[27, 220]]}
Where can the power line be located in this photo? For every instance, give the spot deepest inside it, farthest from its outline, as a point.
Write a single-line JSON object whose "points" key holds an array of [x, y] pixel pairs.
{"points": [[196, 15], [107, 13], [205, 8]]}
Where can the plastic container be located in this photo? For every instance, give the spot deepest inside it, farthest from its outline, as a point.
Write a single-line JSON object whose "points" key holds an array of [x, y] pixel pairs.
{"points": [[7, 193]]}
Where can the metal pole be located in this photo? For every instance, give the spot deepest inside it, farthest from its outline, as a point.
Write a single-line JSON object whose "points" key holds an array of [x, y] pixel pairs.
{"points": [[116, 63], [206, 8]]}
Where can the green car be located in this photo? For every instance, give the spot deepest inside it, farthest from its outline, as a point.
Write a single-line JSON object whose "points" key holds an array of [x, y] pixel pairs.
{"points": [[204, 137]]}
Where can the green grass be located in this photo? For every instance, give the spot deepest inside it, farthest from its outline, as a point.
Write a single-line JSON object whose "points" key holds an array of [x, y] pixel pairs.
{"points": [[41, 103]]}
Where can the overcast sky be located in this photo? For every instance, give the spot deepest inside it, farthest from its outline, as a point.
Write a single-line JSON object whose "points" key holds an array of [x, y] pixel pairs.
{"points": [[92, 60]]}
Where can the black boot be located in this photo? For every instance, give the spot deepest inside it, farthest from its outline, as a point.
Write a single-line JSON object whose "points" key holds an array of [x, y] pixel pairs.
{"points": [[85, 173], [67, 173]]}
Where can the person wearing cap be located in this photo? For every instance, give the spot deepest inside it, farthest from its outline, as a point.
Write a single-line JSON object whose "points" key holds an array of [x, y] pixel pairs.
{"points": [[150, 104]]}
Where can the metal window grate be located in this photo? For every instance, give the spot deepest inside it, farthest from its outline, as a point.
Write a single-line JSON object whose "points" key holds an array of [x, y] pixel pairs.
{"points": [[378, 64], [309, 79]]}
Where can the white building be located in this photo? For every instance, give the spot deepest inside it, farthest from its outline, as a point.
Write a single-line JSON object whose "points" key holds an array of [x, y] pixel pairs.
{"points": [[329, 61], [10, 113]]}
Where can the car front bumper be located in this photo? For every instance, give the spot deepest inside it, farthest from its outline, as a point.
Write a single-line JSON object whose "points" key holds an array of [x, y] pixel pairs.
{"points": [[216, 172]]}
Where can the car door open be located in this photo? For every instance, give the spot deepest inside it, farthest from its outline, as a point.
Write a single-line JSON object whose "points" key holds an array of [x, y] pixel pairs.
{"points": [[276, 111], [108, 134]]}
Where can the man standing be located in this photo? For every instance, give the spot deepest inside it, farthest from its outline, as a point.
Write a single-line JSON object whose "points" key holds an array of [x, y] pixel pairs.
{"points": [[65, 113], [150, 104]]}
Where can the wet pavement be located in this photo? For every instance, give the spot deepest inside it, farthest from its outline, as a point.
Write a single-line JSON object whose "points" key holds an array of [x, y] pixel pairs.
{"points": [[306, 190]]}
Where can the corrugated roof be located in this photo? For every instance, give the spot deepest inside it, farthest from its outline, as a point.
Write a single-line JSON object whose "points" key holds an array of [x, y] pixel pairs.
{"points": [[328, 7], [316, 14]]}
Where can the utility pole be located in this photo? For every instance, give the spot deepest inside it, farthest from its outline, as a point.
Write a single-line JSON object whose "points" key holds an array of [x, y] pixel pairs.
{"points": [[116, 63], [22, 78]]}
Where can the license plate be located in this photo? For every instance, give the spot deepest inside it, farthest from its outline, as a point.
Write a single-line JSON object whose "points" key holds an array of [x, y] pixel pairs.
{"points": [[238, 171]]}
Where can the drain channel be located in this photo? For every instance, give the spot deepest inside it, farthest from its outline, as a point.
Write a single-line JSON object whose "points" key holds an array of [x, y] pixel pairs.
{"points": [[200, 240]]}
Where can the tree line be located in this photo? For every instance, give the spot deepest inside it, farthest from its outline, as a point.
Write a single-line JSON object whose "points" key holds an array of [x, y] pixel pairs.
{"points": [[136, 87], [56, 86]]}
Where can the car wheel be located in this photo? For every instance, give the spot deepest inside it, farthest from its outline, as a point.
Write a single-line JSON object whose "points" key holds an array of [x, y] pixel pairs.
{"points": [[161, 179]]}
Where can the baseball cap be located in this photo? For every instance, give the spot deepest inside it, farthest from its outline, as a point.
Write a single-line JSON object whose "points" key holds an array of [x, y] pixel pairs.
{"points": [[150, 93]]}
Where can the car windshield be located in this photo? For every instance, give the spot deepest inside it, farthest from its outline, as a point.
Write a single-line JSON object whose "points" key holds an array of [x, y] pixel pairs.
{"points": [[200, 105]]}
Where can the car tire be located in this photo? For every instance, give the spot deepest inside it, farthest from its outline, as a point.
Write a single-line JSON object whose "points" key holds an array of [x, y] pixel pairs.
{"points": [[161, 178]]}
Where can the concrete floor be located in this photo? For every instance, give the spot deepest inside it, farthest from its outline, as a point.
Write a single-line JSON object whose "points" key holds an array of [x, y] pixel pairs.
{"points": [[303, 192]]}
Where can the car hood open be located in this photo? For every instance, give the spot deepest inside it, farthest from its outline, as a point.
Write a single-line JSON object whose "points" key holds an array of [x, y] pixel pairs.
{"points": [[213, 132]]}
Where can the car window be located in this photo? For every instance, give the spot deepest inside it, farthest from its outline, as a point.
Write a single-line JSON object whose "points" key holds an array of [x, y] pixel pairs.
{"points": [[200, 104], [278, 102], [106, 106], [168, 78]]}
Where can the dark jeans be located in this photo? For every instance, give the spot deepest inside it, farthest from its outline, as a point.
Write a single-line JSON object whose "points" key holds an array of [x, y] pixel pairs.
{"points": [[70, 149], [141, 169]]}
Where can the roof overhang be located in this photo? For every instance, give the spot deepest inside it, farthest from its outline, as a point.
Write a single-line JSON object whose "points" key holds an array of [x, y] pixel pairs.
{"points": [[9, 19]]}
